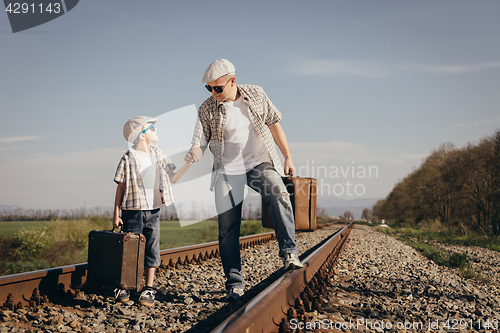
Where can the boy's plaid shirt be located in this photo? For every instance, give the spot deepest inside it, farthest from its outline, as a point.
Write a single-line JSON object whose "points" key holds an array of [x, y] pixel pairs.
{"points": [[135, 193], [209, 129]]}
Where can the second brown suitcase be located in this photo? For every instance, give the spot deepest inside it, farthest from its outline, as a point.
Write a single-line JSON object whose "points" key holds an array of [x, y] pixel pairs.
{"points": [[116, 259], [303, 194]]}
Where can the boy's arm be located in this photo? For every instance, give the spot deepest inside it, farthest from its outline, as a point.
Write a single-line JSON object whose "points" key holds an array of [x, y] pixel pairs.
{"points": [[174, 177], [120, 190]]}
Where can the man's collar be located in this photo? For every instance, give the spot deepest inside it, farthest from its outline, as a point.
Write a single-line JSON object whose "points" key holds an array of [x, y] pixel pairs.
{"points": [[240, 90]]}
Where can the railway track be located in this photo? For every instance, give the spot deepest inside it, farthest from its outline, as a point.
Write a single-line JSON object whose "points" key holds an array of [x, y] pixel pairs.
{"points": [[292, 295], [35, 288], [185, 300]]}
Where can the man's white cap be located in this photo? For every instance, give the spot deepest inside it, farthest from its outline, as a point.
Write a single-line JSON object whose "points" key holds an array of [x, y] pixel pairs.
{"points": [[218, 69], [134, 125]]}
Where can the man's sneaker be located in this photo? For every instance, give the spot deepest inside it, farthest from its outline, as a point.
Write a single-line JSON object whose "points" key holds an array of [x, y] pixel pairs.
{"points": [[234, 294], [147, 296], [291, 261], [122, 295]]}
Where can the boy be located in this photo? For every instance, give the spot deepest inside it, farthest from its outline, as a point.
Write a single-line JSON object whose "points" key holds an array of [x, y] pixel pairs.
{"points": [[144, 176]]}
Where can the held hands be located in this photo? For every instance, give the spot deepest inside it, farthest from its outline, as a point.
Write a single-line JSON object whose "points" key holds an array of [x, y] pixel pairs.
{"points": [[194, 155], [289, 167]]}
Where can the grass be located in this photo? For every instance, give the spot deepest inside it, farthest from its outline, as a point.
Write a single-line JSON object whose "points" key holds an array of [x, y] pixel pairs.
{"points": [[27, 246], [449, 236], [419, 240], [9, 228]]}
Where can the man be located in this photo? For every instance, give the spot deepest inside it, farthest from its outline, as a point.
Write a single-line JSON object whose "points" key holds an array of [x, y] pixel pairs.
{"points": [[241, 126]]}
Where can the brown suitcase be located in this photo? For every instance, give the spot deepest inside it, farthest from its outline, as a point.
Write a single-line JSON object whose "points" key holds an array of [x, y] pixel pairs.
{"points": [[116, 259], [303, 194]]}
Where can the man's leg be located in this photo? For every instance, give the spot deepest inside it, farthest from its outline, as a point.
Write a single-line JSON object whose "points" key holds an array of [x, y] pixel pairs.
{"points": [[228, 201], [267, 181]]}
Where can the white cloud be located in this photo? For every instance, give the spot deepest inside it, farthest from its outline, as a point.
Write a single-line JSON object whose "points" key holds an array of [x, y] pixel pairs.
{"points": [[479, 122], [68, 180], [61, 180], [336, 67], [459, 68], [376, 170], [19, 138], [343, 67], [8, 148]]}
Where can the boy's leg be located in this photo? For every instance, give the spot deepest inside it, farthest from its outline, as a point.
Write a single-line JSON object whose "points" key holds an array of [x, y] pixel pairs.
{"points": [[151, 230], [150, 276], [132, 222]]}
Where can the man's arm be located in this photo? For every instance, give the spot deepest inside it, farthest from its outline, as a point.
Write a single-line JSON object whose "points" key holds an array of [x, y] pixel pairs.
{"points": [[280, 139], [199, 142]]}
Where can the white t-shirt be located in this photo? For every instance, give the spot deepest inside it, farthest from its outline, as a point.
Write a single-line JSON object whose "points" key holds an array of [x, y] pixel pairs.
{"points": [[150, 175], [243, 147]]}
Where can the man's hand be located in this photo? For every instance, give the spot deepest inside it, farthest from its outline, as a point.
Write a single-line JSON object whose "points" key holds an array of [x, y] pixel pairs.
{"points": [[193, 155], [289, 167]]}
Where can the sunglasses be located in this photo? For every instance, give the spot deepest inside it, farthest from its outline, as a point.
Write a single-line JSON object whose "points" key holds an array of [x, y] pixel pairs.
{"points": [[152, 127], [217, 89]]}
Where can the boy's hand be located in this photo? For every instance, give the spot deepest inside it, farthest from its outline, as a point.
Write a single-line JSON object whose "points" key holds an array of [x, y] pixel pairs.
{"points": [[194, 154], [117, 222]]}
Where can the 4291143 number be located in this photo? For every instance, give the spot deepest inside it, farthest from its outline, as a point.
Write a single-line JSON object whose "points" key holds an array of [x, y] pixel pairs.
{"points": [[24, 8]]}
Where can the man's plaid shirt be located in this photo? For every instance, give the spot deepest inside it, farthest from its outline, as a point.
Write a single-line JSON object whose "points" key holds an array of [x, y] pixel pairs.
{"points": [[135, 193], [209, 129]]}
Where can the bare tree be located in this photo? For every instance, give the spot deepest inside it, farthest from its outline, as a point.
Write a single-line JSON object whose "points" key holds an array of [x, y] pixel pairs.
{"points": [[367, 214], [348, 216]]}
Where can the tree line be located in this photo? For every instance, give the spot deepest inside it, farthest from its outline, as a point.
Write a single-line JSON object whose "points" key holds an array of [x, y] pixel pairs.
{"points": [[453, 185]]}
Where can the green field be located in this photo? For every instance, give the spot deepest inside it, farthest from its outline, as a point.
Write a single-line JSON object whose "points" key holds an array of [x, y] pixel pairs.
{"points": [[27, 246], [8, 228], [172, 234]]}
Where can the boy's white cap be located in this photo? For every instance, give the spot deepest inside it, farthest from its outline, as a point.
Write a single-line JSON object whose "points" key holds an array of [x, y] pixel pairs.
{"points": [[218, 69], [134, 125]]}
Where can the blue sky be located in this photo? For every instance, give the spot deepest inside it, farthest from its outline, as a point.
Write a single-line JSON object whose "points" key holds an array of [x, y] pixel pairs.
{"points": [[359, 83]]}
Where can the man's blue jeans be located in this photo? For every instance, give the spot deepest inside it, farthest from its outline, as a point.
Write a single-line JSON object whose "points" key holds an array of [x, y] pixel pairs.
{"points": [[229, 192]]}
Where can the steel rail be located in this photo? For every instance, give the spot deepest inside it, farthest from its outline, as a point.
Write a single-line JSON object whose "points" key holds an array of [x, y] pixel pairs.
{"points": [[37, 287], [268, 311]]}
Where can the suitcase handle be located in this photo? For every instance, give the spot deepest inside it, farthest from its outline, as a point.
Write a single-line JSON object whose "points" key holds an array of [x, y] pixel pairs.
{"points": [[121, 229]]}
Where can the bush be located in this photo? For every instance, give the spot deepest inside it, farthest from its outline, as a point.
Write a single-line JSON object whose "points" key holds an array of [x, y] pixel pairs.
{"points": [[31, 244], [23, 266], [251, 228], [460, 260], [76, 232]]}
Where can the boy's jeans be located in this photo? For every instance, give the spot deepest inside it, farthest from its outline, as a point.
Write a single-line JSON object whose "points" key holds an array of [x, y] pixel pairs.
{"points": [[146, 222], [229, 192]]}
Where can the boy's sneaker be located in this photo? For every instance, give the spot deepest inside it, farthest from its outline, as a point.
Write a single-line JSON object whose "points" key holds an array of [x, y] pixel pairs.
{"points": [[291, 261], [122, 295], [234, 294], [147, 296]]}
